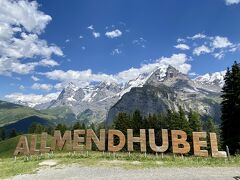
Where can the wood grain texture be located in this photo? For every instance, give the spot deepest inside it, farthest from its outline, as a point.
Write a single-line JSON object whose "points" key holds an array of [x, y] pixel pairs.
{"points": [[78, 140], [22, 147], [214, 147], [122, 140], [176, 141], [152, 141], [91, 137], [60, 142], [43, 144], [33, 145], [141, 139], [198, 144]]}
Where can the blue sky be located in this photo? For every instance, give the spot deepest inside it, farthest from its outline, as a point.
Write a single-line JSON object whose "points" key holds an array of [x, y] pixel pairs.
{"points": [[94, 40]]}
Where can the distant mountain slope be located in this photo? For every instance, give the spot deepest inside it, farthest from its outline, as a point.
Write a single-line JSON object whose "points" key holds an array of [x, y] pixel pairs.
{"points": [[10, 113], [89, 104], [62, 114], [23, 125], [168, 90]]}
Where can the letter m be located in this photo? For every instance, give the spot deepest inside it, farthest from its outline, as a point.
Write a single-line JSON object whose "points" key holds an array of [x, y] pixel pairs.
{"points": [[59, 141]]}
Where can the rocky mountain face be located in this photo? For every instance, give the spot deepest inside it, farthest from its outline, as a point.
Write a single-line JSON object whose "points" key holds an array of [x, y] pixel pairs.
{"points": [[167, 88], [89, 104], [214, 81], [164, 88]]}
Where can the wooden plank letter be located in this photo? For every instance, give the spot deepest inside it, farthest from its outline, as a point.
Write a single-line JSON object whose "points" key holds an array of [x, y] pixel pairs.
{"points": [[197, 144], [182, 140], [77, 140], [33, 145], [152, 142], [59, 141], [22, 146], [122, 140], [214, 147], [141, 139], [43, 144], [91, 137]]}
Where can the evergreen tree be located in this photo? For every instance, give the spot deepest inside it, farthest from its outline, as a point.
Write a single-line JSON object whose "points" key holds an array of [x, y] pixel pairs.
{"points": [[32, 128], [210, 125], [50, 130], [122, 122], [77, 125], [39, 129], [194, 122], [231, 109], [61, 127], [137, 122], [2, 134]]}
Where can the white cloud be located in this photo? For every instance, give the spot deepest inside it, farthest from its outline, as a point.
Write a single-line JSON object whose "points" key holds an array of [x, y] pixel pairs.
{"points": [[182, 46], [221, 42], [35, 78], [179, 61], [46, 87], [116, 51], [31, 99], [21, 87], [181, 40], [231, 2], [96, 34], [198, 36], [20, 25], [201, 50], [83, 78], [217, 46], [9, 66], [80, 37], [192, 74], [48, 62], [219, 55], [67, 40], [90, 27], [113, 34], [23, 13]]}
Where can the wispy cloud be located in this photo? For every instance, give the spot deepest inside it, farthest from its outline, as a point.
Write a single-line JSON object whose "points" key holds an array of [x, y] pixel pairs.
{"points": [[182, 46], [116, 51], [217, 46], [140, 42], [231, 2]]}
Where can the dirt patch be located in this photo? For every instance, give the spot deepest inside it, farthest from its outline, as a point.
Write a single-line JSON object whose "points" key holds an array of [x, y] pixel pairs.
{"points": [[48, 163]]}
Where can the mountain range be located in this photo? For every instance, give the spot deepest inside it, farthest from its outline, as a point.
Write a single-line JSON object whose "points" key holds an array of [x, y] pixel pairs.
{"points": [[151, 92], [156, 91]]}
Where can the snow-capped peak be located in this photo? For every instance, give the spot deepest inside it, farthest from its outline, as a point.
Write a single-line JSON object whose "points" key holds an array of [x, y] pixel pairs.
{"points": [[216, 78], [72, 86]]}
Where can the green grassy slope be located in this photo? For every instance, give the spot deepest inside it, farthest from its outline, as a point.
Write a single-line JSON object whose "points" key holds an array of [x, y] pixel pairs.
{"points": [[62, 113], [10, 113], [8, 146]]}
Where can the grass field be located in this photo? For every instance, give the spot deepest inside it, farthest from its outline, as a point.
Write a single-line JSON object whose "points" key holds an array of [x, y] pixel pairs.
{"points": [[22, 165]]}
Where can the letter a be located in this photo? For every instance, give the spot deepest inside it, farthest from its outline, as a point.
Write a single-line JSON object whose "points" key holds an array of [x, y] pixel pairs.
{"points": [[22, 146]]}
